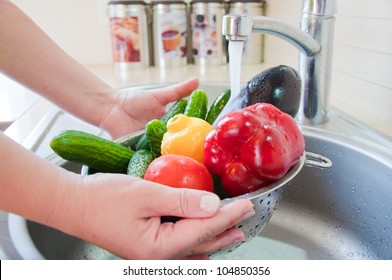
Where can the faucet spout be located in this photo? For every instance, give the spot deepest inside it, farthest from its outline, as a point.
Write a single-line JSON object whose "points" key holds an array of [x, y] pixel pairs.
{"points": [[240, 27], [314, 40], [237, 27]]}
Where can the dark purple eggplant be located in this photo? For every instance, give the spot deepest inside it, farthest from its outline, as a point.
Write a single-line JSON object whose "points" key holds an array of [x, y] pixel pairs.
{"points": [[280, 86]]}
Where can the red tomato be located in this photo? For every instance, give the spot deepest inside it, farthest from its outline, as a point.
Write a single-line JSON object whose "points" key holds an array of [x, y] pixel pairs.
{"points": [[180, 172]]}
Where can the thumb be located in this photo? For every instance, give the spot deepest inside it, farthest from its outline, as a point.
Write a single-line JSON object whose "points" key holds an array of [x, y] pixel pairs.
{"points": [[174, 92], [185, 203]]}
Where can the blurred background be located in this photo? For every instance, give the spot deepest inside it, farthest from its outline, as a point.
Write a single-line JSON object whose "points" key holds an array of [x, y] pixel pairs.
{"points": [[361, 79]]}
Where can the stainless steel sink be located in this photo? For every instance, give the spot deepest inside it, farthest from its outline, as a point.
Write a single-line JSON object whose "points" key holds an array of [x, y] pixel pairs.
{"points": [[344, 212], [341, 213]]}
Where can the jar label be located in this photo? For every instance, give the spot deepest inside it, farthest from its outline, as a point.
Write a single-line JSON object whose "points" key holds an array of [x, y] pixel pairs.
{"points": [[172, 35], [125, 39], [204, 36]]}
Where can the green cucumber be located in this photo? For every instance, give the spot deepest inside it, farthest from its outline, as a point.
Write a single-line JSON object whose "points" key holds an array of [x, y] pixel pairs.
{"points": [[97, 153], [177, 108], [154, 133], [197, 104], [218, 189], [218, 105], [139, 163], [130, 140], [142, 143]]}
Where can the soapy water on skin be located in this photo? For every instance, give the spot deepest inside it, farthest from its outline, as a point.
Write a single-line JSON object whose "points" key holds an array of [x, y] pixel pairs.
{"points": [[235, 54]]}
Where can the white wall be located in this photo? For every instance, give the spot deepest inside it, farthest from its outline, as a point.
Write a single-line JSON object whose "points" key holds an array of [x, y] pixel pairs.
{"points": [[361, 78], [80, 27]]}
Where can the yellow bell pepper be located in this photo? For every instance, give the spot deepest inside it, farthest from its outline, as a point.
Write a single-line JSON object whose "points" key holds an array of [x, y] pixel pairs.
{"points": [[185, 136]]}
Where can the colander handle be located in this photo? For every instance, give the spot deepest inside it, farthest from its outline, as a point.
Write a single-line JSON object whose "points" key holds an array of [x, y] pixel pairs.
{"points": [[316, 160]]}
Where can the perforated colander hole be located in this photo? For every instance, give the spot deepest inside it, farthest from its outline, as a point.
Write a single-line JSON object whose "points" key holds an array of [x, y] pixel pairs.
{"points": [[269, 202], [254, 233], [261, 201], [236, 246], [269, 195]]}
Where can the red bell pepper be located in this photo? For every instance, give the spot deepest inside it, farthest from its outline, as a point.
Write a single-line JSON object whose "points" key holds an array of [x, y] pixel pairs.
{"points": [[252, 147]]}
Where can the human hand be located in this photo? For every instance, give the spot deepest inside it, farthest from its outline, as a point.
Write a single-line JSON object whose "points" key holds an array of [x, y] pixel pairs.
{"points": [[132, 110], [123, 215]]}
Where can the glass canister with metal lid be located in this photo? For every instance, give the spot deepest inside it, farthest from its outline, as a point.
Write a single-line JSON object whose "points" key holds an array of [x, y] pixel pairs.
{"points": [[253, 47], [208, 44], [129, 34], [170, 32]]}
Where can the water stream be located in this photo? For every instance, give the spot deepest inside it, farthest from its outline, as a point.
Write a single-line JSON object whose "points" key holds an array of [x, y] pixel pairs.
{"points": [[235, 54]]}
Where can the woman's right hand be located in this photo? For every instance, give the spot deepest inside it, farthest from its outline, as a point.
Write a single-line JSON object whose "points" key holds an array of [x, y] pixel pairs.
{"points": [[123, 215]]}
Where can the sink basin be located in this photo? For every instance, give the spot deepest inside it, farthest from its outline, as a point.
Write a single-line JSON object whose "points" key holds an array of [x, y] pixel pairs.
{"points": [[343, 212]]}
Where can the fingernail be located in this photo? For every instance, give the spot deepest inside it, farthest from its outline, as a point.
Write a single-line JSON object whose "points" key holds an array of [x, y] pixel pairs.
{"points": [[209, 203], [249, 214], [237, 239]]}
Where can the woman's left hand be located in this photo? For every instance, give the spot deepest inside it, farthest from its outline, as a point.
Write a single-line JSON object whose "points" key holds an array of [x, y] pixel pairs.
{"points": [[132, 110]]}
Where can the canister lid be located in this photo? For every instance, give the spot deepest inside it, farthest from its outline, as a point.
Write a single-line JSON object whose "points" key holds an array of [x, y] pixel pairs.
{"points": [[124, 8], [246, 1], [168, 2], [207, 1], [127, 2]]}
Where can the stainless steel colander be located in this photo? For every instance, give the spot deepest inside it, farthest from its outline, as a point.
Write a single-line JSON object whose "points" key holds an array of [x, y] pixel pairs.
{"points": [[265, 200]]}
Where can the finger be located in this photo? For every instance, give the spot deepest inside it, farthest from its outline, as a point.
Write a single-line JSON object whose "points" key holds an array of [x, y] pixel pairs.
{"points": [[226, 239], [187, 234], [174, 92], [186, 203]]}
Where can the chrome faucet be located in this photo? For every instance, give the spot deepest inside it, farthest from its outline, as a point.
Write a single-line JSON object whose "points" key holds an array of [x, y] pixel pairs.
{"points": [[314, 39]]}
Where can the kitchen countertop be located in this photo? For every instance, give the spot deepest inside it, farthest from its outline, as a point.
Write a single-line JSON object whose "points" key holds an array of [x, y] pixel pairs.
{"points": [[19, 101]]}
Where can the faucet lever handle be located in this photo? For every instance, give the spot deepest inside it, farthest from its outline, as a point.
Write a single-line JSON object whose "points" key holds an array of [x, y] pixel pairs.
{"points": [[324, 8]]}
